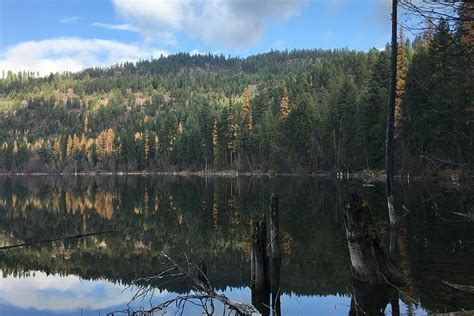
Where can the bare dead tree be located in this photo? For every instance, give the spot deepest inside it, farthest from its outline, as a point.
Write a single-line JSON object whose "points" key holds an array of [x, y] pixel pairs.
{"points": [[419, 16], [389, 155], [202, 293]]}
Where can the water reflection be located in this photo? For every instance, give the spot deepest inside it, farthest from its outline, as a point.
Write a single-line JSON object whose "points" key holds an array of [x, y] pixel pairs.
{"points": [[213, 220], [59, 293]]}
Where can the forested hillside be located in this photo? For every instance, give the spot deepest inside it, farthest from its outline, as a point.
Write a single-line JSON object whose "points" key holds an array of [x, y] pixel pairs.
{"points": [[299, 111]]}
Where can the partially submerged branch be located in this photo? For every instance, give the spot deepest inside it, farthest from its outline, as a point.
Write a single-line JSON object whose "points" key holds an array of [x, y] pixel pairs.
{"points": [[202, 294], [464, 288]]}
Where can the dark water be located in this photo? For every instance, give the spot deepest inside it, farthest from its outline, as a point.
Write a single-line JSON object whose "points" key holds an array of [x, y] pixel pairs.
{"points": [[211, 220]]}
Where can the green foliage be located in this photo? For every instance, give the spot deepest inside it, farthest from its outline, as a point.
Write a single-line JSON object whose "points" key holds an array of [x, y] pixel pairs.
{"points": [[299, 111]]}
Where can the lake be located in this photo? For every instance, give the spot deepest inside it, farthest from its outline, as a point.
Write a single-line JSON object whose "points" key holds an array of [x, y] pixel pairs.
{"points": [[210, 220]]}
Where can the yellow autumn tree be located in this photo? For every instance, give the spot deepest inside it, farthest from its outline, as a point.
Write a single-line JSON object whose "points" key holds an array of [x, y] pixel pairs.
{"points": [[105, 143], [215, 138], [69, 147], [86, 124], [157, 144], [428, 33], [180, 128], [232, 132], [284, 104], [402, 69], [246, 112], [57, 148], [147, 144]]}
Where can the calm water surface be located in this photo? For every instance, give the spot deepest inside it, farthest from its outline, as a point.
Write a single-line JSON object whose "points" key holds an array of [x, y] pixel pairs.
{"points": [[211, 220]]}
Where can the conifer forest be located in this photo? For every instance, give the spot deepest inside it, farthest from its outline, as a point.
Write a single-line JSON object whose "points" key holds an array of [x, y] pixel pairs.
{"points": [[299, 111]]}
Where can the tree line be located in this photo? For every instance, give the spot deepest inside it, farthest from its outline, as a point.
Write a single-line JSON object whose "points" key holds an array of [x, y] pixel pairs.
{"points": [[300, 111]]}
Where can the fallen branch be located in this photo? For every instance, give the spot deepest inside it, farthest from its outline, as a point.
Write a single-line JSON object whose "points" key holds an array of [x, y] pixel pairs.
{"points": [[468, 216], [464, 288], [61, 238], [202, 295]]}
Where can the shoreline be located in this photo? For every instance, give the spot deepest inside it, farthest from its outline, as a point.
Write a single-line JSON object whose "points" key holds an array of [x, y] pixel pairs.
{"points": [[372, 177]]}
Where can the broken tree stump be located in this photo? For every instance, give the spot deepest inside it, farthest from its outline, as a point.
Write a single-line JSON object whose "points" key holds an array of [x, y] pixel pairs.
{"points": [[259, 261], [368, 259]]}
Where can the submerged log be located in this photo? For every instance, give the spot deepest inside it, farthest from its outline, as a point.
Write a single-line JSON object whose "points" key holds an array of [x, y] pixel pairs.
{"points": [[368, 258]]}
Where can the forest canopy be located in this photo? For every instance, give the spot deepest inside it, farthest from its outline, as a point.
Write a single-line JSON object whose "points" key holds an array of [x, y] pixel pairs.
{"points": [[305, 111]]}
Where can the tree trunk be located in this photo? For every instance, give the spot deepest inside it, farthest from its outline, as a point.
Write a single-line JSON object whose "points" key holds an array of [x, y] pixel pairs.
{"points": [[275, 226], [389, 157], [259, 269], [373, 299], [276, 255], [368, 259], [259, 261]]}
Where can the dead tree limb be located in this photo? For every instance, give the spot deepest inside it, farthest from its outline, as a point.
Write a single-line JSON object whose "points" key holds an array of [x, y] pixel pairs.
{"points": [[464, 288], [202, 295], [78, 236]]}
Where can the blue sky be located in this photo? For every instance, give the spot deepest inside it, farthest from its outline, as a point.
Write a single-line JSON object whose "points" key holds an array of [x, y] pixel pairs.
{"points": [[57, 35]]}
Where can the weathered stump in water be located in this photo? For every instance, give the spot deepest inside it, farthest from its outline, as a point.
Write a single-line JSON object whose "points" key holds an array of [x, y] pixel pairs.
{"points": [[373, 299], [368, 258]]}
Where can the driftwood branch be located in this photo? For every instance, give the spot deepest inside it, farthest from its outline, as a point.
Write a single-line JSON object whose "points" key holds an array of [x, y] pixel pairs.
{"points": [[464, 288], [469, 217], [202, 294], [78, 236]]}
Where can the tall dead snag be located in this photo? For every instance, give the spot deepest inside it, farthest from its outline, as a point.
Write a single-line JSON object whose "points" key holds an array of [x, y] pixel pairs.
{"points": [[389, 156], [368, 259], [276, 254], [259, 268]]}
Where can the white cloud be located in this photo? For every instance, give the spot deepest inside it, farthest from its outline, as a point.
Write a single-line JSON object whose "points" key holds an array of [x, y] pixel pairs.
{"points": [[71, 54], [60, 293], [119, 27], [235, 23], [69, 19]]}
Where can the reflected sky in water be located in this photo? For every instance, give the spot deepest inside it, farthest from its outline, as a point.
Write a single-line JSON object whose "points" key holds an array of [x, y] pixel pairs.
{"points": [[41, 294], [211, 219]]}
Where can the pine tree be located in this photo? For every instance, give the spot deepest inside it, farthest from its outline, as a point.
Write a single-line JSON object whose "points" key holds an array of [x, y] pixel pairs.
{"points": [[216, 144], [232, 132]]}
